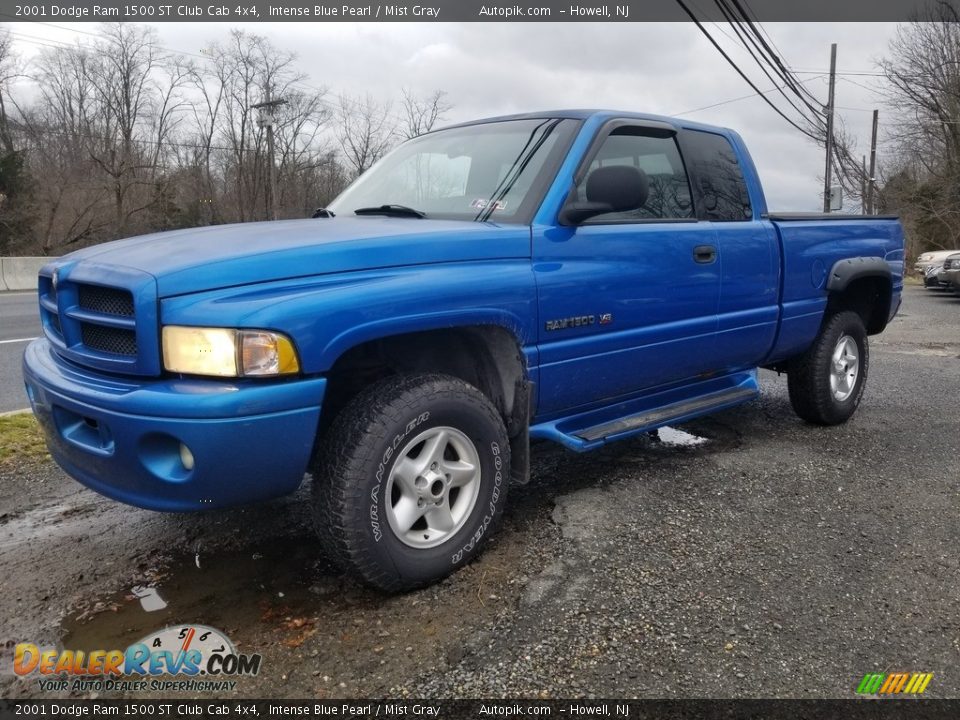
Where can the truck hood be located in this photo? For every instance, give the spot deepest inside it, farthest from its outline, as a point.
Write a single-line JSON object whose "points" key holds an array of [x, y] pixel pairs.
{"points": [[187, 261]]}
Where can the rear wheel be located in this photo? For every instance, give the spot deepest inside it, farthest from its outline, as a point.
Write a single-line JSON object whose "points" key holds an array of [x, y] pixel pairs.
{"points": [[826, 383], [411, 480]]}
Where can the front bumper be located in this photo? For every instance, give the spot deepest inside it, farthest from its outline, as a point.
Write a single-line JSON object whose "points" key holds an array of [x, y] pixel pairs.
{"points": [[249, 440], [953, 280]]}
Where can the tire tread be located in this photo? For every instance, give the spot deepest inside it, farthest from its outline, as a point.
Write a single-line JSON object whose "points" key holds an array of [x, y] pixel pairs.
{"points": [[343, 456], [812, 401]]}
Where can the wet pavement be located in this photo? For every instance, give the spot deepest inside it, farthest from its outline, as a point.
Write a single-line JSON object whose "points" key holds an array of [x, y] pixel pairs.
{"points": [[743, 554]]}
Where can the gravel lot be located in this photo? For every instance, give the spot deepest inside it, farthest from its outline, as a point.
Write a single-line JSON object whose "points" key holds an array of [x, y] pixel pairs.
{"points": [[775, 559]]}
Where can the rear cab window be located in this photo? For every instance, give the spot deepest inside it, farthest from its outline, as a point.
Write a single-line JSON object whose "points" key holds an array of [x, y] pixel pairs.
{"points": [[718, 182]]}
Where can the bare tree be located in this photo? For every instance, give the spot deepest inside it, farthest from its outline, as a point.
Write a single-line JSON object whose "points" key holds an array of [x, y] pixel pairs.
{"points": [[137, 114], [9, 69], [421, 114], [922, 69], [308, 171], [243, 73], [14, 183], [62, 133], [121, 136], [366, 131]]}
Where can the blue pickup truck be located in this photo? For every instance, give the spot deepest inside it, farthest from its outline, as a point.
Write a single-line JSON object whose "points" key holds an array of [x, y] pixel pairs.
{"points": [[575, 276]]}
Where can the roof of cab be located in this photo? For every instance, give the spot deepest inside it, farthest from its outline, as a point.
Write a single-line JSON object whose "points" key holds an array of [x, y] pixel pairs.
{"points": [[584, 114]]}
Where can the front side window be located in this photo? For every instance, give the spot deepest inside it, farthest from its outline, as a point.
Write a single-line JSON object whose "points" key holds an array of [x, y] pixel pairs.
{"points": [[495, 171], [653, 164]]}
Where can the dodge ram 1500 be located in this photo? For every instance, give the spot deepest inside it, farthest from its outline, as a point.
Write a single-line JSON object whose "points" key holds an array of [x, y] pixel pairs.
{"points": [[574, 276]]}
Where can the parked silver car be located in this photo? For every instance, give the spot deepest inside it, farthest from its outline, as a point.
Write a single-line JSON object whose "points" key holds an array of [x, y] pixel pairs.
{"points": [[948, 276], [930, 279], [934, 257]]}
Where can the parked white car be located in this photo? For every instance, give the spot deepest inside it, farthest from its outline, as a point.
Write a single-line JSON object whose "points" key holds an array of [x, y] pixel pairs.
{"points": [[934, 257]]}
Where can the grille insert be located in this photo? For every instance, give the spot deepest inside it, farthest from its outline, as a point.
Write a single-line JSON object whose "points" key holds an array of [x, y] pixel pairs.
{"points": [[109, 301], [115, 341]]}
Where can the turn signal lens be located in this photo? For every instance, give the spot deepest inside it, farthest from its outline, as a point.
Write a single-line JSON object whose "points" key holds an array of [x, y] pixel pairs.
{"points": [[267, 353]]}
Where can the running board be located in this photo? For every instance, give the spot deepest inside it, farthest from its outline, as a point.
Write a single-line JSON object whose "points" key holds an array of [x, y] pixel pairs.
{"points": [[593, 428], [670, 413]]}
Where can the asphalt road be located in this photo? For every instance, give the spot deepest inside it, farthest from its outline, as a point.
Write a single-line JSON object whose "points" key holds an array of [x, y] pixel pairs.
{"points": [[19, 323], [773, 559]]}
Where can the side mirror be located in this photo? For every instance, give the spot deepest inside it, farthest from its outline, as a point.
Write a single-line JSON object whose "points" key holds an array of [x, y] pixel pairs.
{"points": [[574, 213], [615, 188]]}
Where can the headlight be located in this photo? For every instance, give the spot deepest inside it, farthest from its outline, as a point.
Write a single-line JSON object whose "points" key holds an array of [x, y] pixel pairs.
{"points": [[225, 352]]}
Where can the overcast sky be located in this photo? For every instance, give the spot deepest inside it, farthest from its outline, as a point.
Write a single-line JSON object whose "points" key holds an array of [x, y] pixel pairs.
{"points": [[497, 68]]}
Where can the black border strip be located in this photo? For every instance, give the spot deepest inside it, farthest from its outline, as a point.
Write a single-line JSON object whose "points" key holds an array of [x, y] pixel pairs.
{"points": [[460, 11]]}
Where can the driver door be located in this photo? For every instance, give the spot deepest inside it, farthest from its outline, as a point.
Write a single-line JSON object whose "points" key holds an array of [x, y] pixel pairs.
{"points": [[628, 299]]}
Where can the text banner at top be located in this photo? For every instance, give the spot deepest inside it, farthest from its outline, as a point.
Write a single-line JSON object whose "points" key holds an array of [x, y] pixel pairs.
{"points": [[455, 11]]}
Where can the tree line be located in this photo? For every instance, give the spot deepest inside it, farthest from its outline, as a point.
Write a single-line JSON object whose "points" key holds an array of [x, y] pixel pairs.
{"points": [[922, 175], [123, 137]]}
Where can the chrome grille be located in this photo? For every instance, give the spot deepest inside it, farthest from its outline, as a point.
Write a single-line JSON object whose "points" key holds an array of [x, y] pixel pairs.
{"points": [[116, 341], [110, 301]]}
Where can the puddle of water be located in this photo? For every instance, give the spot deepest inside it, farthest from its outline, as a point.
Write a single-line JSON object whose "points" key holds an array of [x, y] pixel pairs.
{"points": [[672, 436], [150, 599], [232, 591]]}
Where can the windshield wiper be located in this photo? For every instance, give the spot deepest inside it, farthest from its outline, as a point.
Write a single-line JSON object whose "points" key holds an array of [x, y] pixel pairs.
{"points": [[395, 210]]}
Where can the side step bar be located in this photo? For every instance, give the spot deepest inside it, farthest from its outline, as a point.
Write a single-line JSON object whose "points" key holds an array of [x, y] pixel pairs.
{"points": [[590, 429], [664, 415]]}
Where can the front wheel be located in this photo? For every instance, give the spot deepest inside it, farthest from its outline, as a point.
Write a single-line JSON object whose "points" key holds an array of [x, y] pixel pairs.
{"points": [[826, 383], [411, 480]]}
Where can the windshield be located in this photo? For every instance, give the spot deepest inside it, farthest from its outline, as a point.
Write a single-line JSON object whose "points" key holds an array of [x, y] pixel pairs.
{"points": [[495, 171]]}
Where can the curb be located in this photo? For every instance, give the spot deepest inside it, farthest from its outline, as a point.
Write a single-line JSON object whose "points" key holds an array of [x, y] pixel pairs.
{"points": [[15, 412]]}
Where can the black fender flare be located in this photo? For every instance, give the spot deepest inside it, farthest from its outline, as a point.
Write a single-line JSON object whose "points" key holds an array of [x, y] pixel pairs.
{"points": [[846, 271]]}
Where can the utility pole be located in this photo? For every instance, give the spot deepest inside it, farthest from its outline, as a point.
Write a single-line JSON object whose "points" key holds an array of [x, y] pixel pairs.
{"points": [[829, 163], [267, 118], [872, 178], [863, 187]]}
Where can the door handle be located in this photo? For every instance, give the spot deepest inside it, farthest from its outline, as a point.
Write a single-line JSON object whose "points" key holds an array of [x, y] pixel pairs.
{"points": [[705, 253]]}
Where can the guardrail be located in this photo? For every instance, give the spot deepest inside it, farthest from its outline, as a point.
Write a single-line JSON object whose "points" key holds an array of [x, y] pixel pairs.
{"points": [[20, 273]]}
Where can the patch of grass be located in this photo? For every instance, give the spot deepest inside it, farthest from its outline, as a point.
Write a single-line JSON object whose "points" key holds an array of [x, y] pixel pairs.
{"points": [[21, 437]]}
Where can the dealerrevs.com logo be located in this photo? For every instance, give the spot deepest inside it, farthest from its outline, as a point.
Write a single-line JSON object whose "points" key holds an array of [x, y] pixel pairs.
{"points": [[204, 655]]}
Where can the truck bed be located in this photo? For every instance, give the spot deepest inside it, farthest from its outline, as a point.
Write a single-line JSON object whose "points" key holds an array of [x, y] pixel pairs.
{"points": [[810, 245]]}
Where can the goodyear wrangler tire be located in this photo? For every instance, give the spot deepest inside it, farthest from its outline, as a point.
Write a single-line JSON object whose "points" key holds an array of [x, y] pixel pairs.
{"points": [[826, 383], [410, 480]]}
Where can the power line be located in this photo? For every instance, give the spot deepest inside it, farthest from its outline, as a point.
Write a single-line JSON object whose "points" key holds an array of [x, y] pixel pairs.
{"points": [[790, 82], [45, 42], [861, 85], [98, 36], [742, 97], [779, 65], [750, 82], [842, 72], [769, 56]]}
